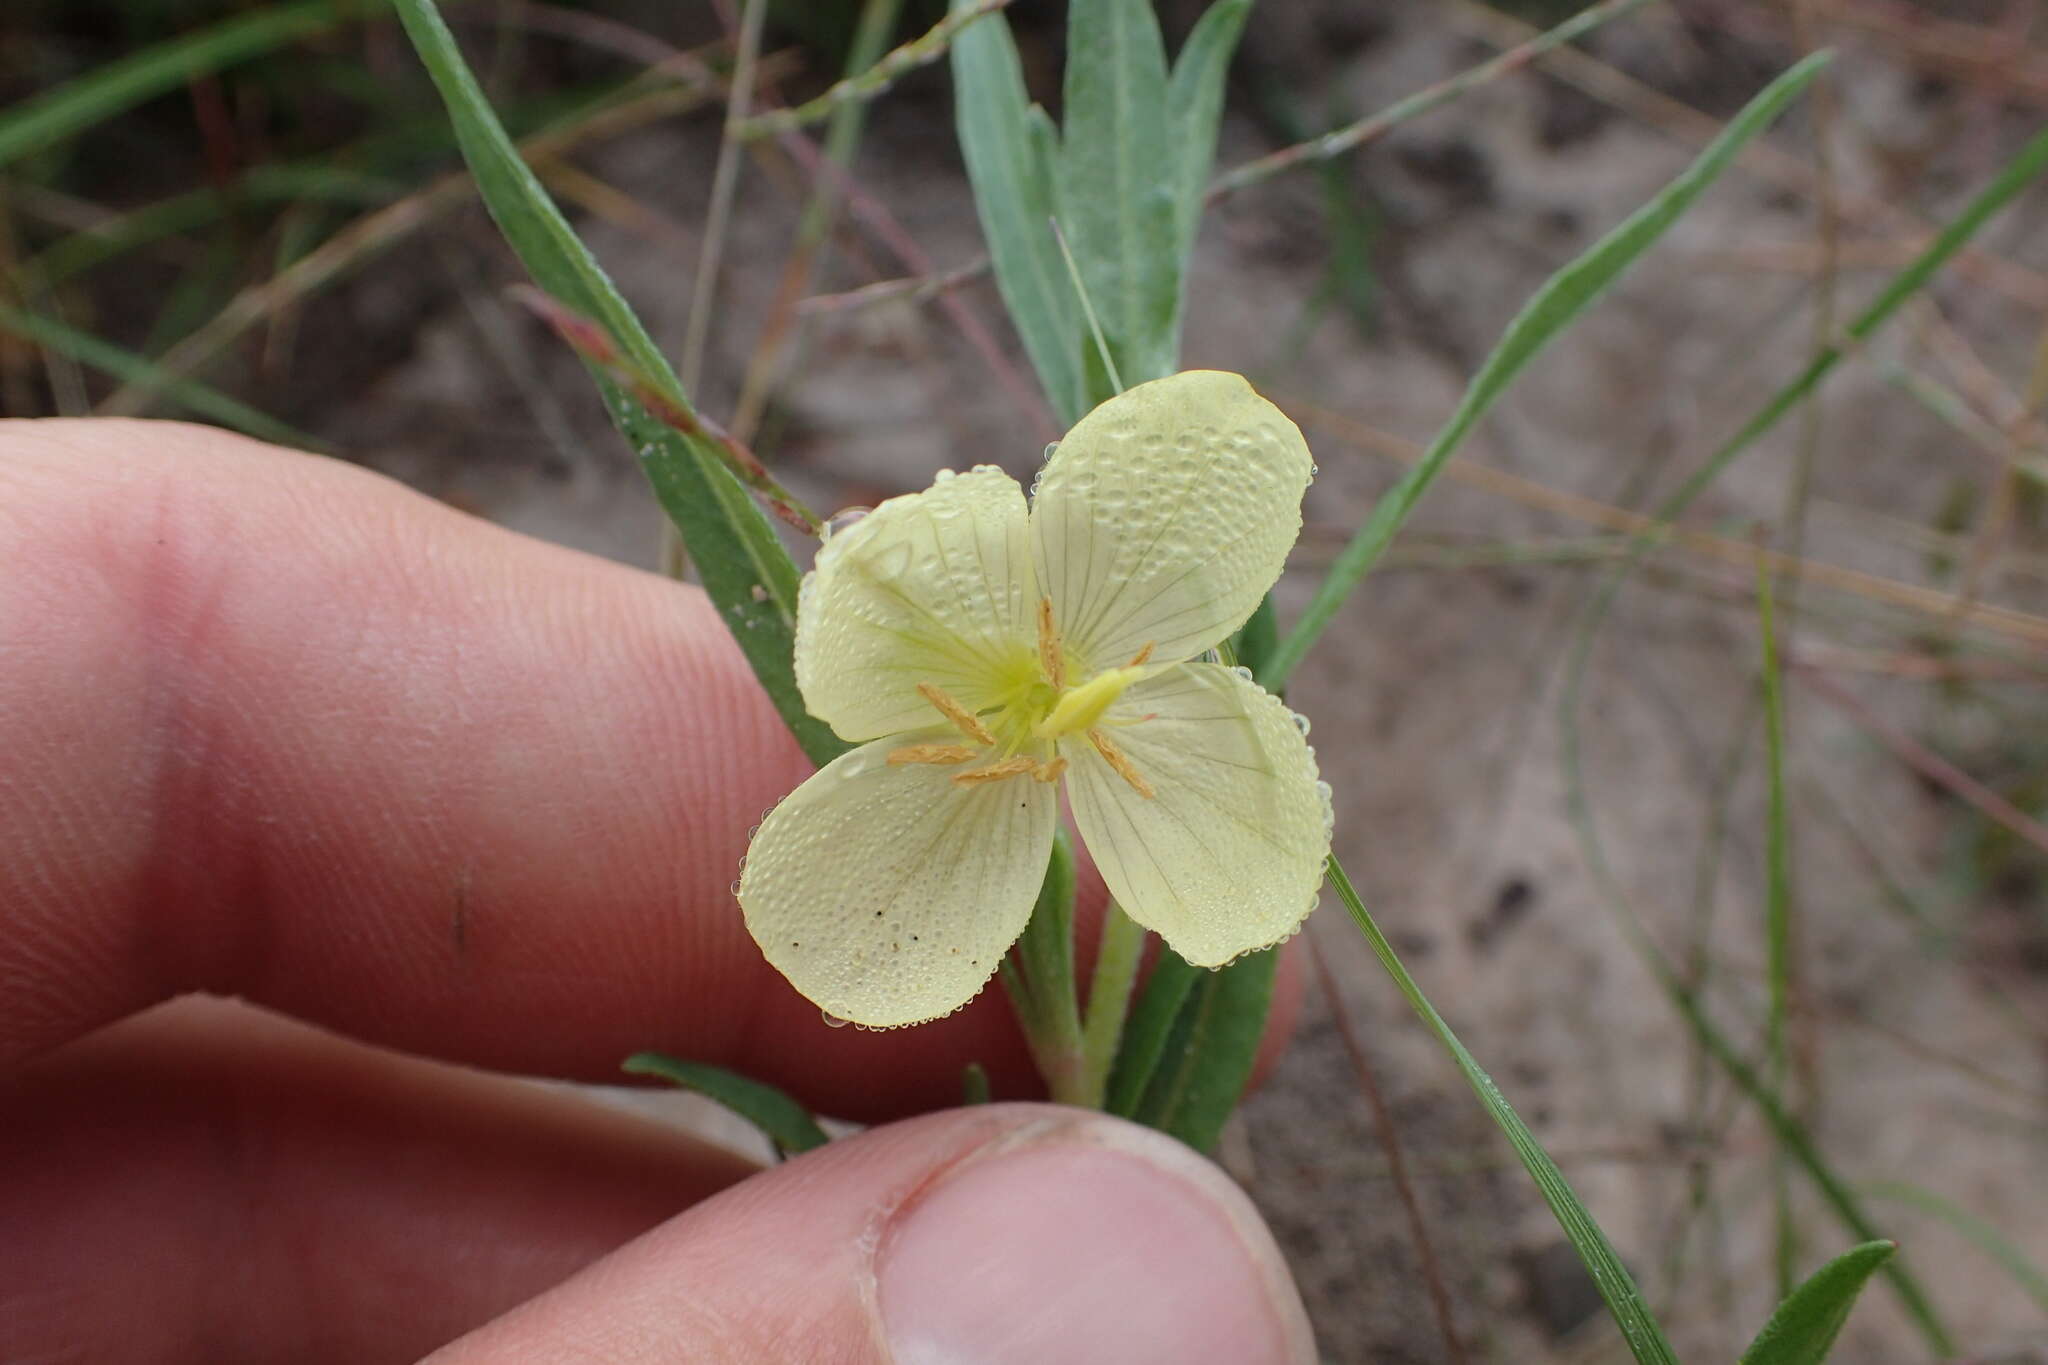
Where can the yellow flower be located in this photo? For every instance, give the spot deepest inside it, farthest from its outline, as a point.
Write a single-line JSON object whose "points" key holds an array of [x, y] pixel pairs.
{"points": [[989, 655]]}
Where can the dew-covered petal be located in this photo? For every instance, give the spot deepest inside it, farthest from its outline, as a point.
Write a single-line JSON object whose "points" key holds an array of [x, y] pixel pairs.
{"points": [[1165, 515], [933, 587], [889, 894], [1227, 853]]}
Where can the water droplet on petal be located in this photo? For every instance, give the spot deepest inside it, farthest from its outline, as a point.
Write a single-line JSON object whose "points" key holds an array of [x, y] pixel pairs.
{"points": [[832, 1020], [843, 518], [1051, 447], [1300, 723]]}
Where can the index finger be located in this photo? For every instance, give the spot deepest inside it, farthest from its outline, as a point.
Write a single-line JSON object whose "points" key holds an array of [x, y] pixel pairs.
{"points": [[274, 726]]}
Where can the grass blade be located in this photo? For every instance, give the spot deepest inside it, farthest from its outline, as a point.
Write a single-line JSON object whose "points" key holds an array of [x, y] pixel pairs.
{"points": [[745, 570], [1803, 1329], [129, 367], [94, 97], [1561, 299], [1624, 1300], [787, 1124], [1778, 911], [1010, 160]]}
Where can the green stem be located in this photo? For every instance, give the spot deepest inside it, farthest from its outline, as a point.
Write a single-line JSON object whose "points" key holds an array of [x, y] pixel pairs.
{"points": [[1041, 979], [1109, 1002]]}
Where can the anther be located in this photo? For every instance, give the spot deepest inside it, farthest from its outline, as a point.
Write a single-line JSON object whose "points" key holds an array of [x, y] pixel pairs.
{"points": [[996, 772], [1049, 771], [930, 753], [963, 719], [1119, 761], [1141, 655], [1050, 657]]}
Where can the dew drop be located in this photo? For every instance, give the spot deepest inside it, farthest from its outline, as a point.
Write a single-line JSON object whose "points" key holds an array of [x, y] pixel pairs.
{"points": [[831, 1020], [1300, 722], [843, 518], [942, 476], [1051, 447]]}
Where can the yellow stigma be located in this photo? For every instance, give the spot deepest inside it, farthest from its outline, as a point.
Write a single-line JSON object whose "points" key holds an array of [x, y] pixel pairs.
{"points": [[1080, 708]]}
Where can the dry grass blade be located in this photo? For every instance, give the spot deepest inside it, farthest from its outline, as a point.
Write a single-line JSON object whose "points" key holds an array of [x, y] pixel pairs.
{"points": [[376, 231], [1760, 158], [1932, 602], [1352, 135], [875, 81]]}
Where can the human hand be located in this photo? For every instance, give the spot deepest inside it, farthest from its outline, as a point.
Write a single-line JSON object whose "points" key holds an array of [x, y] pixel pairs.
{"points": [[273, 727]]}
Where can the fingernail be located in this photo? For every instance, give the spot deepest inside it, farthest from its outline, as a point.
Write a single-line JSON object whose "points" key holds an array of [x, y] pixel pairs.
{"points": [[1138, 1251]]}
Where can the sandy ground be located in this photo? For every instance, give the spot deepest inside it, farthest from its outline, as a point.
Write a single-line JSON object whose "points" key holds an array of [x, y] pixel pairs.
{"points": [[1435, 697]]}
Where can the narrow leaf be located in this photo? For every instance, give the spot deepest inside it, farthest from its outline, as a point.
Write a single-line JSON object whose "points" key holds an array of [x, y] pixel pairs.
{"points": [[1208, 1058], [1119, 187], [99, 95], [1617, 1287], [1194, 104], [128, 367], [745, 570], [1805, 1325], [1006, 145], [786, 1123], [1148, 1030], [1553, 308]]}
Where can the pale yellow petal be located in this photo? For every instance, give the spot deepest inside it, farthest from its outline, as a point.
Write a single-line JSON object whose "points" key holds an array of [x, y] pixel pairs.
{"points": [[934, 587], [1165, 515], [888, 894], [1227, 853]]}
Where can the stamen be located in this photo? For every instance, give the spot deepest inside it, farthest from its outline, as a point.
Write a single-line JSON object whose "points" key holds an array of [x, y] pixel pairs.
{"points": [[1118, 760], [1141, 655], [963, 719], [1049, 771], [1050, 657], [931, 753], [996, 772]]}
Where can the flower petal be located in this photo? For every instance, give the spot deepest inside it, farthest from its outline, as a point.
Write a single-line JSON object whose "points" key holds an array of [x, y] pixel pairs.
{"points": [[889, 895], [1227, 853], [1165, 515], [933, 587]]}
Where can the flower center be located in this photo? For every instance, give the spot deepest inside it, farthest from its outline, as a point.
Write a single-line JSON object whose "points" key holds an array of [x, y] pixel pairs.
{"points": [[1019, 735]]}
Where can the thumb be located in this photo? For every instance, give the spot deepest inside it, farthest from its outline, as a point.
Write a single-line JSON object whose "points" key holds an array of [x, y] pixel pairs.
{"points": [[996, 1234]]}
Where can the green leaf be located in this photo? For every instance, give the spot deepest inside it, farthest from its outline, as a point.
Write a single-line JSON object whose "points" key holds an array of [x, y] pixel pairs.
{"points": [[1553, 308], [99, 95], [129, 367], [787, 1124], [746, 572], [1009, 147], [1624, 1300], [1208, 1056], [1805, 1325], [1119, 185], [1194, 104], [1148, 1030]]}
